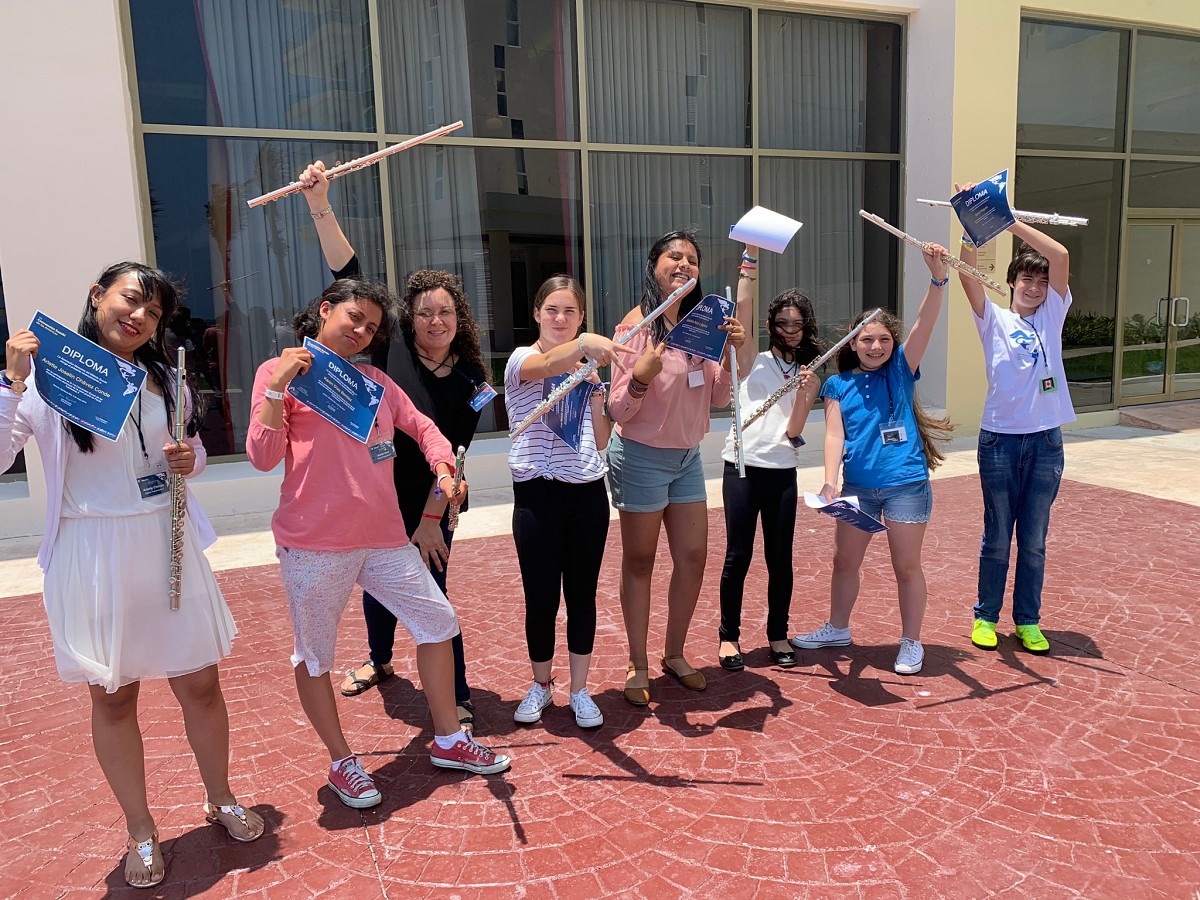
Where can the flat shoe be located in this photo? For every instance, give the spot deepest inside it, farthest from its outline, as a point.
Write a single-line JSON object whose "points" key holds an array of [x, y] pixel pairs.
{"points": [[147, 853], [733, 663], [466, 716], [353, 685], [636, 696], [693, 681], [233, 819], [785, 659]]}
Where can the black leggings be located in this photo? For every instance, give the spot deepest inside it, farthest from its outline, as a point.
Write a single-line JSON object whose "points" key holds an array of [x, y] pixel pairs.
{"points": [[769, 494], [560, 530]]}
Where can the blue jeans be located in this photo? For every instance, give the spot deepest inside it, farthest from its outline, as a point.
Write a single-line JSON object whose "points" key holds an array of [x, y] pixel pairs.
{"points": [[1020, 474]]}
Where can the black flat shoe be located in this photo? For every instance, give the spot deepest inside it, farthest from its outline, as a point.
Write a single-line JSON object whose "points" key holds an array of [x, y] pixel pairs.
{"points": [[785, 659], [732, 663]]}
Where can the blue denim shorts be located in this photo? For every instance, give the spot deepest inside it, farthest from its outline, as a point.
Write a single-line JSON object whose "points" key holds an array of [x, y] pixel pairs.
{"points": [[912, 502], [647, 479]]}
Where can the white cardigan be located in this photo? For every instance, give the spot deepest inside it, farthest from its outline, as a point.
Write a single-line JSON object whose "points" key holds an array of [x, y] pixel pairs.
{"points": [[26, 415]]}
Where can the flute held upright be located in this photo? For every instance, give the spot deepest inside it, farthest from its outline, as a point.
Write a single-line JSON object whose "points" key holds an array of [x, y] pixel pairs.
{"points": [[178, 492]]}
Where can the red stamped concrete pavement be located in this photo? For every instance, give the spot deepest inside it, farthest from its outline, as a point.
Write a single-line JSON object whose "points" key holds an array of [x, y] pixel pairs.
{"points": [[996, 773]]}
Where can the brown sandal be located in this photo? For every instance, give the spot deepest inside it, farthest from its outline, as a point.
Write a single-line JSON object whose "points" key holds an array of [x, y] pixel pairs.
{"points": [[353, 685], [146, 852], [637, 696], [693, 681], [234, 816]]}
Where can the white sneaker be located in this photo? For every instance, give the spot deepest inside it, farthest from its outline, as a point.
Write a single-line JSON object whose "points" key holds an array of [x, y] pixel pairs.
{"points": [[910, 658], [535, 701], [825, 636], [587, 714]]}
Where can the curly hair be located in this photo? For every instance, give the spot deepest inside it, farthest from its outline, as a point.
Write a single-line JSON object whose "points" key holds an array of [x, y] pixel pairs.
{"points": [[652, 295], [934, 432], [307, 322], [467, 333], [809, 347]]}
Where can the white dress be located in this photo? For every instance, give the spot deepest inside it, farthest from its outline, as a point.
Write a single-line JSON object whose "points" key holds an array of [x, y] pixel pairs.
{"points": [[106, 584]]}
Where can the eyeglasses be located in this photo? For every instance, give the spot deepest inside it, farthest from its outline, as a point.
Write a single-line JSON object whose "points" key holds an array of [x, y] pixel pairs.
{"points": [[428, 315], [789, 327]]}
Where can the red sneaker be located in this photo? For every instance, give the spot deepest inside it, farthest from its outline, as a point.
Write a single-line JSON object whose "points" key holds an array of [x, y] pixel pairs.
{"points": [[468, 755], [353, 786]]}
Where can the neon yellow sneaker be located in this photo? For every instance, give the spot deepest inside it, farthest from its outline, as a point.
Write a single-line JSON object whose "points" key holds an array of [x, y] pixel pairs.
{"points": [[983, 634], [1032, 638]]}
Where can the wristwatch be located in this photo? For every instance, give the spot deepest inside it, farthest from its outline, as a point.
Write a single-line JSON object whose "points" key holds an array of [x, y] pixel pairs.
{"points": [[16, 385], [796, 441]]}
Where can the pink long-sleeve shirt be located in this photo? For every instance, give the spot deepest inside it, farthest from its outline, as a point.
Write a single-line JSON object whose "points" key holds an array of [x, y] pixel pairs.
{"points": [[333, 496], [671, 415]]}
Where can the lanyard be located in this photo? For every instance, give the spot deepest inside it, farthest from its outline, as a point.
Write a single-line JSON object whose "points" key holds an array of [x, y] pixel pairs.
{"points": [[137, 424], [1038, 338]]}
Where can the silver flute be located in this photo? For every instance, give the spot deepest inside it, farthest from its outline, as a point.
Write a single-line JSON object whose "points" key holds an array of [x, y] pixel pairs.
{"points": [[794, 382], [1033, 218], [460, 464], [580, 374], [737, 399], [178, 493], [355, 164], [952, 261]]}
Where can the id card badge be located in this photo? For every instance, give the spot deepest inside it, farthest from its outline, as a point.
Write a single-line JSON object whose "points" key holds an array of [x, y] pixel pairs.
{"points": [[696, 378], [893, 433], [152, 481], [382, 451], [1049, 384], [484, 394]]}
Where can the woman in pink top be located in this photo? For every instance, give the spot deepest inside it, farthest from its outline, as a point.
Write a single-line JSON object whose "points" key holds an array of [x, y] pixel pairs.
{"points": [[661, 408], [339, 523]]}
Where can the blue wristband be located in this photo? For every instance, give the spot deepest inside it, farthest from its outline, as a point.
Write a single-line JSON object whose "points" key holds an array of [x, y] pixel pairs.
{"points": [[945, 281]]}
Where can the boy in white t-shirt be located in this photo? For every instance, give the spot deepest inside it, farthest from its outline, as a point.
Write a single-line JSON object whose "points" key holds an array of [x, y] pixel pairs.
{"points": [[1020, 439]]}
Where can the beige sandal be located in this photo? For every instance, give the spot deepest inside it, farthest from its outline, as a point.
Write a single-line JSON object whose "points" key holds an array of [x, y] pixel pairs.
{"points": [[146, 851], [235, 816]]}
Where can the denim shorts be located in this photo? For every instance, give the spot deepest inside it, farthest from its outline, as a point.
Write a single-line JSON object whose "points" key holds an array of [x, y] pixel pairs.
{"points": [[647, 479], [912, 502]]}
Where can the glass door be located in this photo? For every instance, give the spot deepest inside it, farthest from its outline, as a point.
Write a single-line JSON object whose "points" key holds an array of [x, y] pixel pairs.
{"points": [[1160, 333]]}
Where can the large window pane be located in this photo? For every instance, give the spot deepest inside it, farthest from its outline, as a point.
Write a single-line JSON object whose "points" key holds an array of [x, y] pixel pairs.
{"points": [[502, 219], [506, 69], [1166, 95], [666, 72], [247, 271], [1091, 188], [265, 64], [828, 83], [1170, 185], [637, 198], [842, 263], [18, 466], [1071, 92]]}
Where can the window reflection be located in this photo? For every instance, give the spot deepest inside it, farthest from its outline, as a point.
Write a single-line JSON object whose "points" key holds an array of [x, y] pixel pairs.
{"points": [[18, 466], [1166, 95], [1164, 185]]}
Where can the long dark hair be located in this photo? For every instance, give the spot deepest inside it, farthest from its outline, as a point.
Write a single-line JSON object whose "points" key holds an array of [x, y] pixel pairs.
{"points": [[307, 322], [934, 432], [809, 347], [652, 295], [155, 284], [465, 345]]}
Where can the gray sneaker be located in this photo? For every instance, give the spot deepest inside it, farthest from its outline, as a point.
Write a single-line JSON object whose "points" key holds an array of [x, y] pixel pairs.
{"points": [[911, 657], [825, 636]]}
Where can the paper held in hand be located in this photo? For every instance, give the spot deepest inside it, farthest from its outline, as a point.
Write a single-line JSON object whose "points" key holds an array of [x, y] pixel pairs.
{"points": [[846, 509], [764, 228]]}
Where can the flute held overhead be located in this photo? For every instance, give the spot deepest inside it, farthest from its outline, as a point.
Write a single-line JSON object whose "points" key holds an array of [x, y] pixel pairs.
{"points": [[1033, 218]]}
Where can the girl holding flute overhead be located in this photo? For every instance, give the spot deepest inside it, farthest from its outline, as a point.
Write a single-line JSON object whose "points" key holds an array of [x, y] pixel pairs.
{"points": [[1020, 438], [769, 449], [661, 407], [877, 434], [339, 524], [560, 506], [106, 554]]}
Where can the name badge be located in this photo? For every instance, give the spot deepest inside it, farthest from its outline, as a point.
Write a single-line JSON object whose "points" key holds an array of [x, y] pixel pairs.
{"points": [[892, 433], [696, 378], [1049, 385], [382, 451], [153, 484], [484, 394]]}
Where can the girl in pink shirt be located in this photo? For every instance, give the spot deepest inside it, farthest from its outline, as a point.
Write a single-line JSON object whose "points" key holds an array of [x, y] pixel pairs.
{"points": [[339, 523]]}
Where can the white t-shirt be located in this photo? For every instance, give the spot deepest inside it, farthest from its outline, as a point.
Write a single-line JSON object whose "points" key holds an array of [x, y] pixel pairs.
{"points": [[538, 452], [765, 444], [1021, 355]]}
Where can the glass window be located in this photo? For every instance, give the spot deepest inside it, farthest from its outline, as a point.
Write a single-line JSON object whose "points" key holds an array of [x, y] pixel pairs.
{"points": [[666, 72], [841, 262], [637, 198], [267, 64], [1071, 93], [1166, 95], [1090, 188], [18, 466], [1170, 185], [247, 271], [828, 83], [501, 228], [500, 67]]}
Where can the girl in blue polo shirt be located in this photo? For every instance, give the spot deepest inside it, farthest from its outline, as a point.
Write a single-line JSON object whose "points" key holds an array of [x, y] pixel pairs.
{"points": [[885, 444]]}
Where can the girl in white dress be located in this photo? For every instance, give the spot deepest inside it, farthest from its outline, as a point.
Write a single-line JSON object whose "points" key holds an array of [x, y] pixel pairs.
{"points": [[106, 555]]}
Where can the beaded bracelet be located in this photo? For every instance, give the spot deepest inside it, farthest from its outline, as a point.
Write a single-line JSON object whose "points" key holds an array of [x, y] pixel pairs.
{"points": [[945, 281]]}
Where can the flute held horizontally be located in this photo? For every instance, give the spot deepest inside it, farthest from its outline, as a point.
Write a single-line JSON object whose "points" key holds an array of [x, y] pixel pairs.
{"points": [[950, 259], [1021, 215]]}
